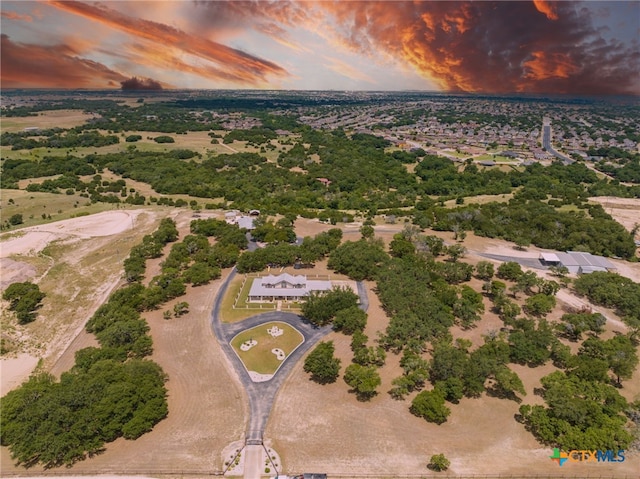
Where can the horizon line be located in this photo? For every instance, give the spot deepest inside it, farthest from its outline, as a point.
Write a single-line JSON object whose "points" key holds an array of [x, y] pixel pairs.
{"points": [[331, 90]]}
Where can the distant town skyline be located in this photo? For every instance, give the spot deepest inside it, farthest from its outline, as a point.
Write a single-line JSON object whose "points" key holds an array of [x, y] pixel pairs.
{"points": [[539, 46]]}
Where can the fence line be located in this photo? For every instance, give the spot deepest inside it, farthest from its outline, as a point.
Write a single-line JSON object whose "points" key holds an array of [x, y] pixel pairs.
{"points": [[196, 474], [129, 472]]}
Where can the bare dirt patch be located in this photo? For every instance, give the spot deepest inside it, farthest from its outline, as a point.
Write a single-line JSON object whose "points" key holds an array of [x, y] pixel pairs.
{"points": [[15, 272], [625, 211], [82, 258]]}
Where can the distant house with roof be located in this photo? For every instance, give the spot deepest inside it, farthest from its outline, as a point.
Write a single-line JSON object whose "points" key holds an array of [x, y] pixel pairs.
{"points": [[285, 287], [577, 262], [246, 222], [234, 217]]}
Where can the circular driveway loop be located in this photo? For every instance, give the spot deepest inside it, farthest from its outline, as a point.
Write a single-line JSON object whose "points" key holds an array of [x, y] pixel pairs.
{"points": [[262, 394]]}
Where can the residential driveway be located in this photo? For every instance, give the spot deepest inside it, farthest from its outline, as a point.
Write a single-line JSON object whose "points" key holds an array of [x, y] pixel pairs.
{"points": [[262, 394]]}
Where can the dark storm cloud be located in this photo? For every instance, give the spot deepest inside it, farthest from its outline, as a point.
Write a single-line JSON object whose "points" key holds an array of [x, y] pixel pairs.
{"points": [[550, 47], [516, 46], [135, 83]]}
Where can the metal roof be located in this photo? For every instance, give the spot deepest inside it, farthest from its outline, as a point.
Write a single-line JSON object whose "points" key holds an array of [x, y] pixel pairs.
{"points": [[550, 257], [584, 260], [304, 286]]}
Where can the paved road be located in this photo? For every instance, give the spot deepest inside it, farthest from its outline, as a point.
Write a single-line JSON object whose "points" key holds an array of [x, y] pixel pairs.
{"points": [[253, 462], [546, 143], [262, 394]]}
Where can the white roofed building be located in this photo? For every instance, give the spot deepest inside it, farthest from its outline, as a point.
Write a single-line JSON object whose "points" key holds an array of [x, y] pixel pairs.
{"points": [[285, 287], [577, 262]]}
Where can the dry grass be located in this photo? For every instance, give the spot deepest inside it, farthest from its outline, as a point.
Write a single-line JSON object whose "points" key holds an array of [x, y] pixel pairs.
{"points": [[480, 200], [80, 276], [32, 205], [47, 119]]}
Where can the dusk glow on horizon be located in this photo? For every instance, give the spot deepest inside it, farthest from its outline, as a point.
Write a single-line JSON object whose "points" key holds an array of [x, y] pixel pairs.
{"points": [[538, 46]]}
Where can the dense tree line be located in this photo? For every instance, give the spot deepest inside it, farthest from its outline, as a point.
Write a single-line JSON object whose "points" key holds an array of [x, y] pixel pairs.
{"points": [[418, 301], [222, 231], [268, 231], [612, 291], [18, 169], [59, 423], [441, 177], [359, 260], [151, 247], [24, 299], [535, 222], [579, 414], [285, 254], [628, 172], [322, 308], [363, 177], [255, 136], [20, 141], [110, 392]]}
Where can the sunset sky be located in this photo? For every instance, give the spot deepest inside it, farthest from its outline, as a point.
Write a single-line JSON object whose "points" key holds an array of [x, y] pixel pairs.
{"points": [[535, 46]]}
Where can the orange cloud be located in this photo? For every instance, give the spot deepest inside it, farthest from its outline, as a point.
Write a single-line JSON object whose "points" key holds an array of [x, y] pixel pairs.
{"points": [[347, 70], [251, 69], [543, 66], [169, 59], [57, 66], [17, 16], [548, 8], [488, 46], [280, 36], [495, 47]]}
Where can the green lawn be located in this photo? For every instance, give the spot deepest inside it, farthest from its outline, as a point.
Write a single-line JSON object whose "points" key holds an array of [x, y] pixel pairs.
{"points": [[232, 311], [259, 358]]}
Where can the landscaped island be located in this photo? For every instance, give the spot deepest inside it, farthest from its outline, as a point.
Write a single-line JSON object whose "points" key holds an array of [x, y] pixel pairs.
{"points": [[263, 349]]}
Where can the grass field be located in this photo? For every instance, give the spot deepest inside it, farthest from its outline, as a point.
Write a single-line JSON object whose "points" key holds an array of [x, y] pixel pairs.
{"points": [[260, 358], [231, 314], [496, 158], [198, 141], [46, 119], [33, 205]]}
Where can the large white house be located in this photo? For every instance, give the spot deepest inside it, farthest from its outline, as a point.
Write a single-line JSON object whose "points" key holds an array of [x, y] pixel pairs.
{"points": [[285, 287]]}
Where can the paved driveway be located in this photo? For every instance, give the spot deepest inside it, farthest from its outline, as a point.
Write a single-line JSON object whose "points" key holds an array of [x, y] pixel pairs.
{"points": [[262, 394]]}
